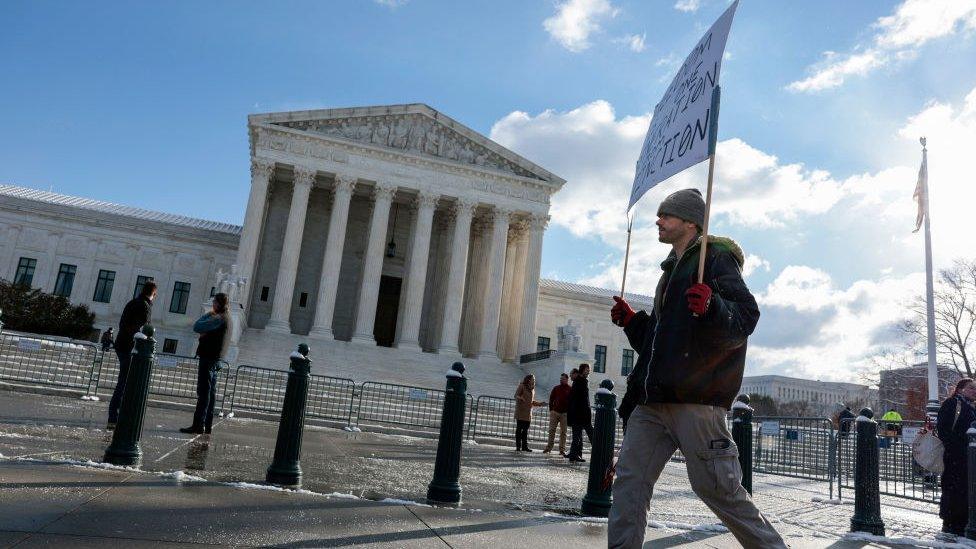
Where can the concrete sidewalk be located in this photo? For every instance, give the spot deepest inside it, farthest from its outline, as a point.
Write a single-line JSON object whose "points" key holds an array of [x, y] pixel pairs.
{"points": [[510, 500]]}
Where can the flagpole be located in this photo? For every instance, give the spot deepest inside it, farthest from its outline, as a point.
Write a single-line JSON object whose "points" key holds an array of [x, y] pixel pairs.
{"points": [[712, 142], [933, 404], [623, 283]]}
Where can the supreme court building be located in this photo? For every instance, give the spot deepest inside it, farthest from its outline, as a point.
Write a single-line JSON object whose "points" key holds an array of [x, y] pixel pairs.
{"points": [[392, 239]]}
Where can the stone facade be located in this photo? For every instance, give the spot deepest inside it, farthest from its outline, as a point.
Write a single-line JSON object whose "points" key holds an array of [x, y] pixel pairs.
{"points": [[822, 396]]}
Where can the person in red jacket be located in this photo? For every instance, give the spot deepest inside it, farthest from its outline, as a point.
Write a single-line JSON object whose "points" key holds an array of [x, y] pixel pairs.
{"points": [[558, 409]]}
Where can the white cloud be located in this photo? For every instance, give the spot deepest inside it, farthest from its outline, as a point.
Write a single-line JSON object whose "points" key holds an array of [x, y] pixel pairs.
{"points": [[687, 5], [896, 37], [754, 263], [391, 3], [576, 20], [633, 41]]}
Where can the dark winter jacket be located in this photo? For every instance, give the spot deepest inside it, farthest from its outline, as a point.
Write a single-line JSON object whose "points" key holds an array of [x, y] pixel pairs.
{"points": [[136, 313], [953, 505], [687, 359], [579, 403], [213, 334]]}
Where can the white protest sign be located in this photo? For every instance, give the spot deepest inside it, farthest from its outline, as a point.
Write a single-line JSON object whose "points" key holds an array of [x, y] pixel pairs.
{"points": [[679, 133], [908, 434], [769, 428], [166, 361], [28, 345]]}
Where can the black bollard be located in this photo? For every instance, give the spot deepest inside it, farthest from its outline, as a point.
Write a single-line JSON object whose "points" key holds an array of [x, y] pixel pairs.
{"points": [[867, 496], [599, 497], [971, 462], [742, 436], [124, 449], [286, 468], [444, 488]]}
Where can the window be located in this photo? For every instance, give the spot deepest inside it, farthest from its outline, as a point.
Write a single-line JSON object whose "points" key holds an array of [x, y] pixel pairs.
{"points": [[181, 294], [103, 288], [140, 282], [541, 344], [600, 359], [264, 293], [627, 362], [169, 346], [66, 279], [25, 271], [303, 300]]}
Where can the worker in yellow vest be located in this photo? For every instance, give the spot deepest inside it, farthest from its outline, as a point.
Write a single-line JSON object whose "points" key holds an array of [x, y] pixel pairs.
{"points": [[891, 421]]}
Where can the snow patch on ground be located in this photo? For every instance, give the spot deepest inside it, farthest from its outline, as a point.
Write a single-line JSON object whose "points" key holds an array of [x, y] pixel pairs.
{"points": [[961, 543], [352, 429], [230, 415], [835, 501], [470, 442], [593, 520], [14, 435], [180, 476], [403, 502], [672, 525], [94, 398]]}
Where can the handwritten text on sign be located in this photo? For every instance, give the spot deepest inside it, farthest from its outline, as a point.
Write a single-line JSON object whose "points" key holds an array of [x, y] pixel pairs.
{"points": [[678, 136]]}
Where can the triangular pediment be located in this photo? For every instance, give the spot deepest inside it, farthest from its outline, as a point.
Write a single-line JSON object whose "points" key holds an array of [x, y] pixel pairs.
{"points": [[416, 129]]}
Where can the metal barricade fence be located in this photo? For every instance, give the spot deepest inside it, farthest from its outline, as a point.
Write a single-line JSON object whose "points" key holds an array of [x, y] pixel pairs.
{"points": [[47, 360], [494, 418], [403, 405], [173, 376], [898, 473], [263, 390], [793, 446]]}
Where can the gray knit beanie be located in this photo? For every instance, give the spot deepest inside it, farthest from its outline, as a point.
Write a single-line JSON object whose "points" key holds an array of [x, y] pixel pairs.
{"points": [[686, 204]]}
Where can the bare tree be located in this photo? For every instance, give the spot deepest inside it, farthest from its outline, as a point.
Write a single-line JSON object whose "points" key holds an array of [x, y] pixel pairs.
{"points": [[955, 316]]}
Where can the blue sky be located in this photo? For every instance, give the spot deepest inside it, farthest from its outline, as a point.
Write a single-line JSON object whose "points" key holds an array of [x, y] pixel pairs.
{"points": [[145, 103]]}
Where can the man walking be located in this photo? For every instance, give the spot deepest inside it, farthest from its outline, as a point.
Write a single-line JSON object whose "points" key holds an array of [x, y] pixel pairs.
{"points": [[692, 350], [579, 415], [558, 409], [136, 313]]}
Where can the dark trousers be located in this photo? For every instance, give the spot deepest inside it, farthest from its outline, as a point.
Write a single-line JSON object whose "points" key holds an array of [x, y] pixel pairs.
{"points": [[521, 434], [206, 392], [125, 358], [576, 448]]}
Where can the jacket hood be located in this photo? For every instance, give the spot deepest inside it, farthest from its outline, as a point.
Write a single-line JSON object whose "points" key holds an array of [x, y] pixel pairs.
{"points": [[723, 243]]}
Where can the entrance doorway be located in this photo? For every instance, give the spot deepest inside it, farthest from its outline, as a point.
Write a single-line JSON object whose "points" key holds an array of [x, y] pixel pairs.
{"points": [[387, 307]]}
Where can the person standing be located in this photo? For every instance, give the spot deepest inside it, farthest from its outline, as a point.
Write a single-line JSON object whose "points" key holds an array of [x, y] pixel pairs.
{"points": [[892, 423], [211, 349], [558, 409], [524, 402], [844, 421], [692, 350], [955, 417], [136, 313], [108, 339], [580, 416]]}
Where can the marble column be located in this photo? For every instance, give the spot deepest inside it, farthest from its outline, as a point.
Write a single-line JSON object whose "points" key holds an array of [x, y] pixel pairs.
{"points": [[261, 172], [514, 313], [530, 296], [455, 278], [417, 274], [292, 246], [495, 274], [373, 265], [332, 261]]}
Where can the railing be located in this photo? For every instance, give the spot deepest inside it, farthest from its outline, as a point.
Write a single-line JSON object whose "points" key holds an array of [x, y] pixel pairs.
{"points": [[47, 360], [402, 406], [532, 357], [173, 376], [494, 418], [899, 474], [263, 390], [793, 446]]}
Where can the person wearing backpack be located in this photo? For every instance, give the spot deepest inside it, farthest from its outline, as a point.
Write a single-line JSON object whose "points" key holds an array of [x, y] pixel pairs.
{"points": [[956, 415]]}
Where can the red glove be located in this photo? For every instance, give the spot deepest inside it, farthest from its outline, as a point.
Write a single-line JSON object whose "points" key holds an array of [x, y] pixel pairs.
{"points": [[699, 298], [621, 313]]}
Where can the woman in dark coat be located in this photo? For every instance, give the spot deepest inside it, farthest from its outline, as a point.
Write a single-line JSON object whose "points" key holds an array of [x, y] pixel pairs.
{"points": [[956, 415]]}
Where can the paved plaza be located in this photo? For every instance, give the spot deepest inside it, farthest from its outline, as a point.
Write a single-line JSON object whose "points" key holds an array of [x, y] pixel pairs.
{"points": [[360, 489]]}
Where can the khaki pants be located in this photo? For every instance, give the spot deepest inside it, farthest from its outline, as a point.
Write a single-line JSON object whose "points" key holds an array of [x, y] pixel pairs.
{"points": [[557, 420], [654, 432]]}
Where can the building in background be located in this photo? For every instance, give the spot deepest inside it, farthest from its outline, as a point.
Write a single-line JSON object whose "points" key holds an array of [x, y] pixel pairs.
{"points": [[808, 396], [906, 389]]}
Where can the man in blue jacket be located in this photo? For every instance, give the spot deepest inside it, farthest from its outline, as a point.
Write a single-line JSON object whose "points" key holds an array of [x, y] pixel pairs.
{"points": [[692, 350]]}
